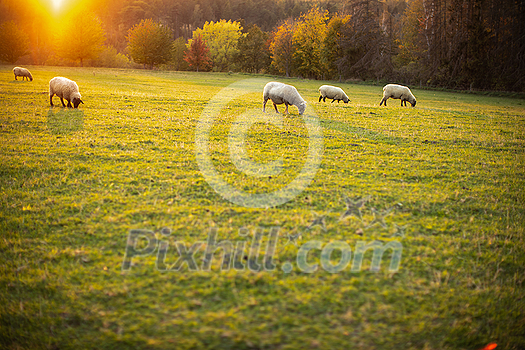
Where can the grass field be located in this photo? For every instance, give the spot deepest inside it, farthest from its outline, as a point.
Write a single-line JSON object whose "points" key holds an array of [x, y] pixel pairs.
{"points": [[102, 210]]}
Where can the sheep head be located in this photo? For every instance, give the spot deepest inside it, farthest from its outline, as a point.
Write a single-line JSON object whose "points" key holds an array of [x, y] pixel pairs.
{"points": [[76, 101], [301, 107]]}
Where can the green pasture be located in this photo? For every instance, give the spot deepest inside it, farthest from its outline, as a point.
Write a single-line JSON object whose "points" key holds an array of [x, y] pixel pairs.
{"points": [[445, 180]]}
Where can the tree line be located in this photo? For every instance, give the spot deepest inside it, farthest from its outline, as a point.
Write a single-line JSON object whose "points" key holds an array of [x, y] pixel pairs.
{"points": [[465, 44]]}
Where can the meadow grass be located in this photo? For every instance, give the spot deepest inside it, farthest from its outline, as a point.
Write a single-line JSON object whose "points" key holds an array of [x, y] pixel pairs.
{"points": [[446, 179]]}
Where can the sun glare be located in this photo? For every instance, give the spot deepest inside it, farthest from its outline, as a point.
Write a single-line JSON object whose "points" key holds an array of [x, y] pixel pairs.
{"points": [[55, 12], [58, 7], [57, 4]]}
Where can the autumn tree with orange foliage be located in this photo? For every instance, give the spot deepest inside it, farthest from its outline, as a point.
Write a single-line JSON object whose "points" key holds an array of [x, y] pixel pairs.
{"points": [[282, 49], [197, 54]]}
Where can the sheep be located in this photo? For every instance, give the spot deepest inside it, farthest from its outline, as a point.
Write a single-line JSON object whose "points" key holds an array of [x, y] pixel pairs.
{"points": [[22, 72], [65, 89], [398, 92], [281, 93], [333, 92]]}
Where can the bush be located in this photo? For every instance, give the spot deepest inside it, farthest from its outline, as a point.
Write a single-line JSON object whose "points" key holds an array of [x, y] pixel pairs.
{"points": [[110, 58]]}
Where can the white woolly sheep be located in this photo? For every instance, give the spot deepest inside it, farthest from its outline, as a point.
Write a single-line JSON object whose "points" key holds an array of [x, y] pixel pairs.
{"points": [[398, 92], [65, 89], [22, 72], [281, 93], [333, 92]]}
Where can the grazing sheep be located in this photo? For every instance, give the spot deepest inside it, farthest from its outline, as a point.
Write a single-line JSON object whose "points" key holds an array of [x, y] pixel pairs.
{"points": [[333, 92], [398, 92], [22, 72], [281, 93], [65, 89]]}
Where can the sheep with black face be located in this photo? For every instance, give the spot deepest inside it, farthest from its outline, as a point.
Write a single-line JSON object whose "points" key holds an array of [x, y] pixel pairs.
{"points": [[66, 89], [22, 72]]}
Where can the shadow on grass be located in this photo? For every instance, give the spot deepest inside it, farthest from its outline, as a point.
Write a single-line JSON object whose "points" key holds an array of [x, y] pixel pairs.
{"points": [[361, 132], [65, 121]]}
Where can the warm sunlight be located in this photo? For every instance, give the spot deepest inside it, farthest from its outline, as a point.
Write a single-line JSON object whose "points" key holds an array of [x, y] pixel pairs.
{"points": [[58, 7], [54, 12], [57, 4]]}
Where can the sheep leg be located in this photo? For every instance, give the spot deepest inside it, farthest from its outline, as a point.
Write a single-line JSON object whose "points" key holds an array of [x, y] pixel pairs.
{"points": [[383, 101], [320, 98], [333, 100], [51, 100], [69, 105], [286, 110], [62, 100], [275, 106], [264, 105]]}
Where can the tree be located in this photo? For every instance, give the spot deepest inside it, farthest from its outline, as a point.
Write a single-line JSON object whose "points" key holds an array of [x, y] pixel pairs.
{"points": [[332, 56], [178, 53], [81, 38], [364, 42], [197, 54], [253, 52], [308, 37], [133, 11], [150, 43], [411, 41], [221, 38], [14, 43], [282, 48]]}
